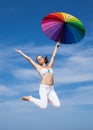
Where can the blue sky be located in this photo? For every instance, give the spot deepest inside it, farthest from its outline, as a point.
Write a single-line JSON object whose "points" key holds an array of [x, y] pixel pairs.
{"points": [[20, 27]]}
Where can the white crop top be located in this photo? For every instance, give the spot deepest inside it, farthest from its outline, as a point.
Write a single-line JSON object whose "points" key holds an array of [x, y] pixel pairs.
{"points": [[45, 70]]}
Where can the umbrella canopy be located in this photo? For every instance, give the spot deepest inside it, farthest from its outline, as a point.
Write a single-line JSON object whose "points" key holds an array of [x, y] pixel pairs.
{"points": [[63, 27]]}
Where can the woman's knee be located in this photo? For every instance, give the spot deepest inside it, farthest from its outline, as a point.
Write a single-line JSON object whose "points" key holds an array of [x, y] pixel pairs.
{"points": [[43, 106], [58, 104]]}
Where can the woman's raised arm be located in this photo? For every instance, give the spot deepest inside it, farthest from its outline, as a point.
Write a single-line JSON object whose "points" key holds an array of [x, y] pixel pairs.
{"points": [[54, 54], [27, 58]]}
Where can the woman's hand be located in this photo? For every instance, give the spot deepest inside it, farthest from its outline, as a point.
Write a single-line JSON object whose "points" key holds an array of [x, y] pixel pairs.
{"points": [[28, 58], [58, 44], [19, 51]]}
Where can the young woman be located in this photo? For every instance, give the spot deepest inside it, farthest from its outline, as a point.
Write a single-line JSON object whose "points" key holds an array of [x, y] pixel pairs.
{"points": [[46, 90]]}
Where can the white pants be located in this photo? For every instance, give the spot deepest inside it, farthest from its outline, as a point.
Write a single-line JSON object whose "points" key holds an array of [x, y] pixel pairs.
{"points": [[47, 95]]}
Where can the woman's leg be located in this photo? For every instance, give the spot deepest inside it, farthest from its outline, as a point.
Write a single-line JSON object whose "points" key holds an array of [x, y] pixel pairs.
{"points": [[53, 98], [43, 101]]}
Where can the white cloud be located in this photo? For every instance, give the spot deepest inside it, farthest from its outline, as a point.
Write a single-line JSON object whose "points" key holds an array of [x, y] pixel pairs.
{"points": [[16, 106], [26, 74], [71, 76], [9, 58], [27, 87], [76, 68], [6, 91], [74, 65], [81, 60], [32, 49], [73, 97], [80, 96]]}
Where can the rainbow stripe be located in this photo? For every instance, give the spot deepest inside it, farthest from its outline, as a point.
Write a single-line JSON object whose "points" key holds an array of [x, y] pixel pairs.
{"points": [[63, 27]]}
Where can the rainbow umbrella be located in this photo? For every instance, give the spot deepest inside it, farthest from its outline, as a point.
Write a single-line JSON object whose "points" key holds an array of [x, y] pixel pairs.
{"points": [[63, 27]]}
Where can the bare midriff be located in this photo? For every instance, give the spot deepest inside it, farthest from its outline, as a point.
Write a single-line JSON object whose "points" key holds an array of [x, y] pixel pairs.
{"points": [[47, 79]]}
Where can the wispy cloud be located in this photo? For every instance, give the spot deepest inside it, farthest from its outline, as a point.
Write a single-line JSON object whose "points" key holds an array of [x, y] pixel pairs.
{"points": [[72, 76], [74, 97], [77, 64], [76, 68], [6, 91], [73, 64], [16, 106], [9, 56], [79, 96], [26, 74]]}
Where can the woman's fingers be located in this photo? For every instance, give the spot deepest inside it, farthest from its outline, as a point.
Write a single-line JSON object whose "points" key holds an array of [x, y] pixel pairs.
{"points": [[19, 51], [58, 44]]}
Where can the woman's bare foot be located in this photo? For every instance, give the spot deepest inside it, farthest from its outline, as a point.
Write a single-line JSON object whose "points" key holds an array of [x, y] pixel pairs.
{"points": [[26, 98]]}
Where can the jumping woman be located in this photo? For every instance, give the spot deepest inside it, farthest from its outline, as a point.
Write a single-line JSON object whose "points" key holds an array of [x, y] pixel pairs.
{"points": [[46, 89]]}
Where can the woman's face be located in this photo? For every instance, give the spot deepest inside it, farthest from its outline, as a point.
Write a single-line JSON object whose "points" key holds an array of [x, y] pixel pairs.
{"points": [[40, 60]]}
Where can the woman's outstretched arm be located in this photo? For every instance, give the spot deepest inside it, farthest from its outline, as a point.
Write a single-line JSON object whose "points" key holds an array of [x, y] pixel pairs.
{"points": [[54, 54], [27, 58]]}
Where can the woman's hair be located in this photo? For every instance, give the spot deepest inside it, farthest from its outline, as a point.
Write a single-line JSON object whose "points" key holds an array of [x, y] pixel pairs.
{"points": [[45, 58]]}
